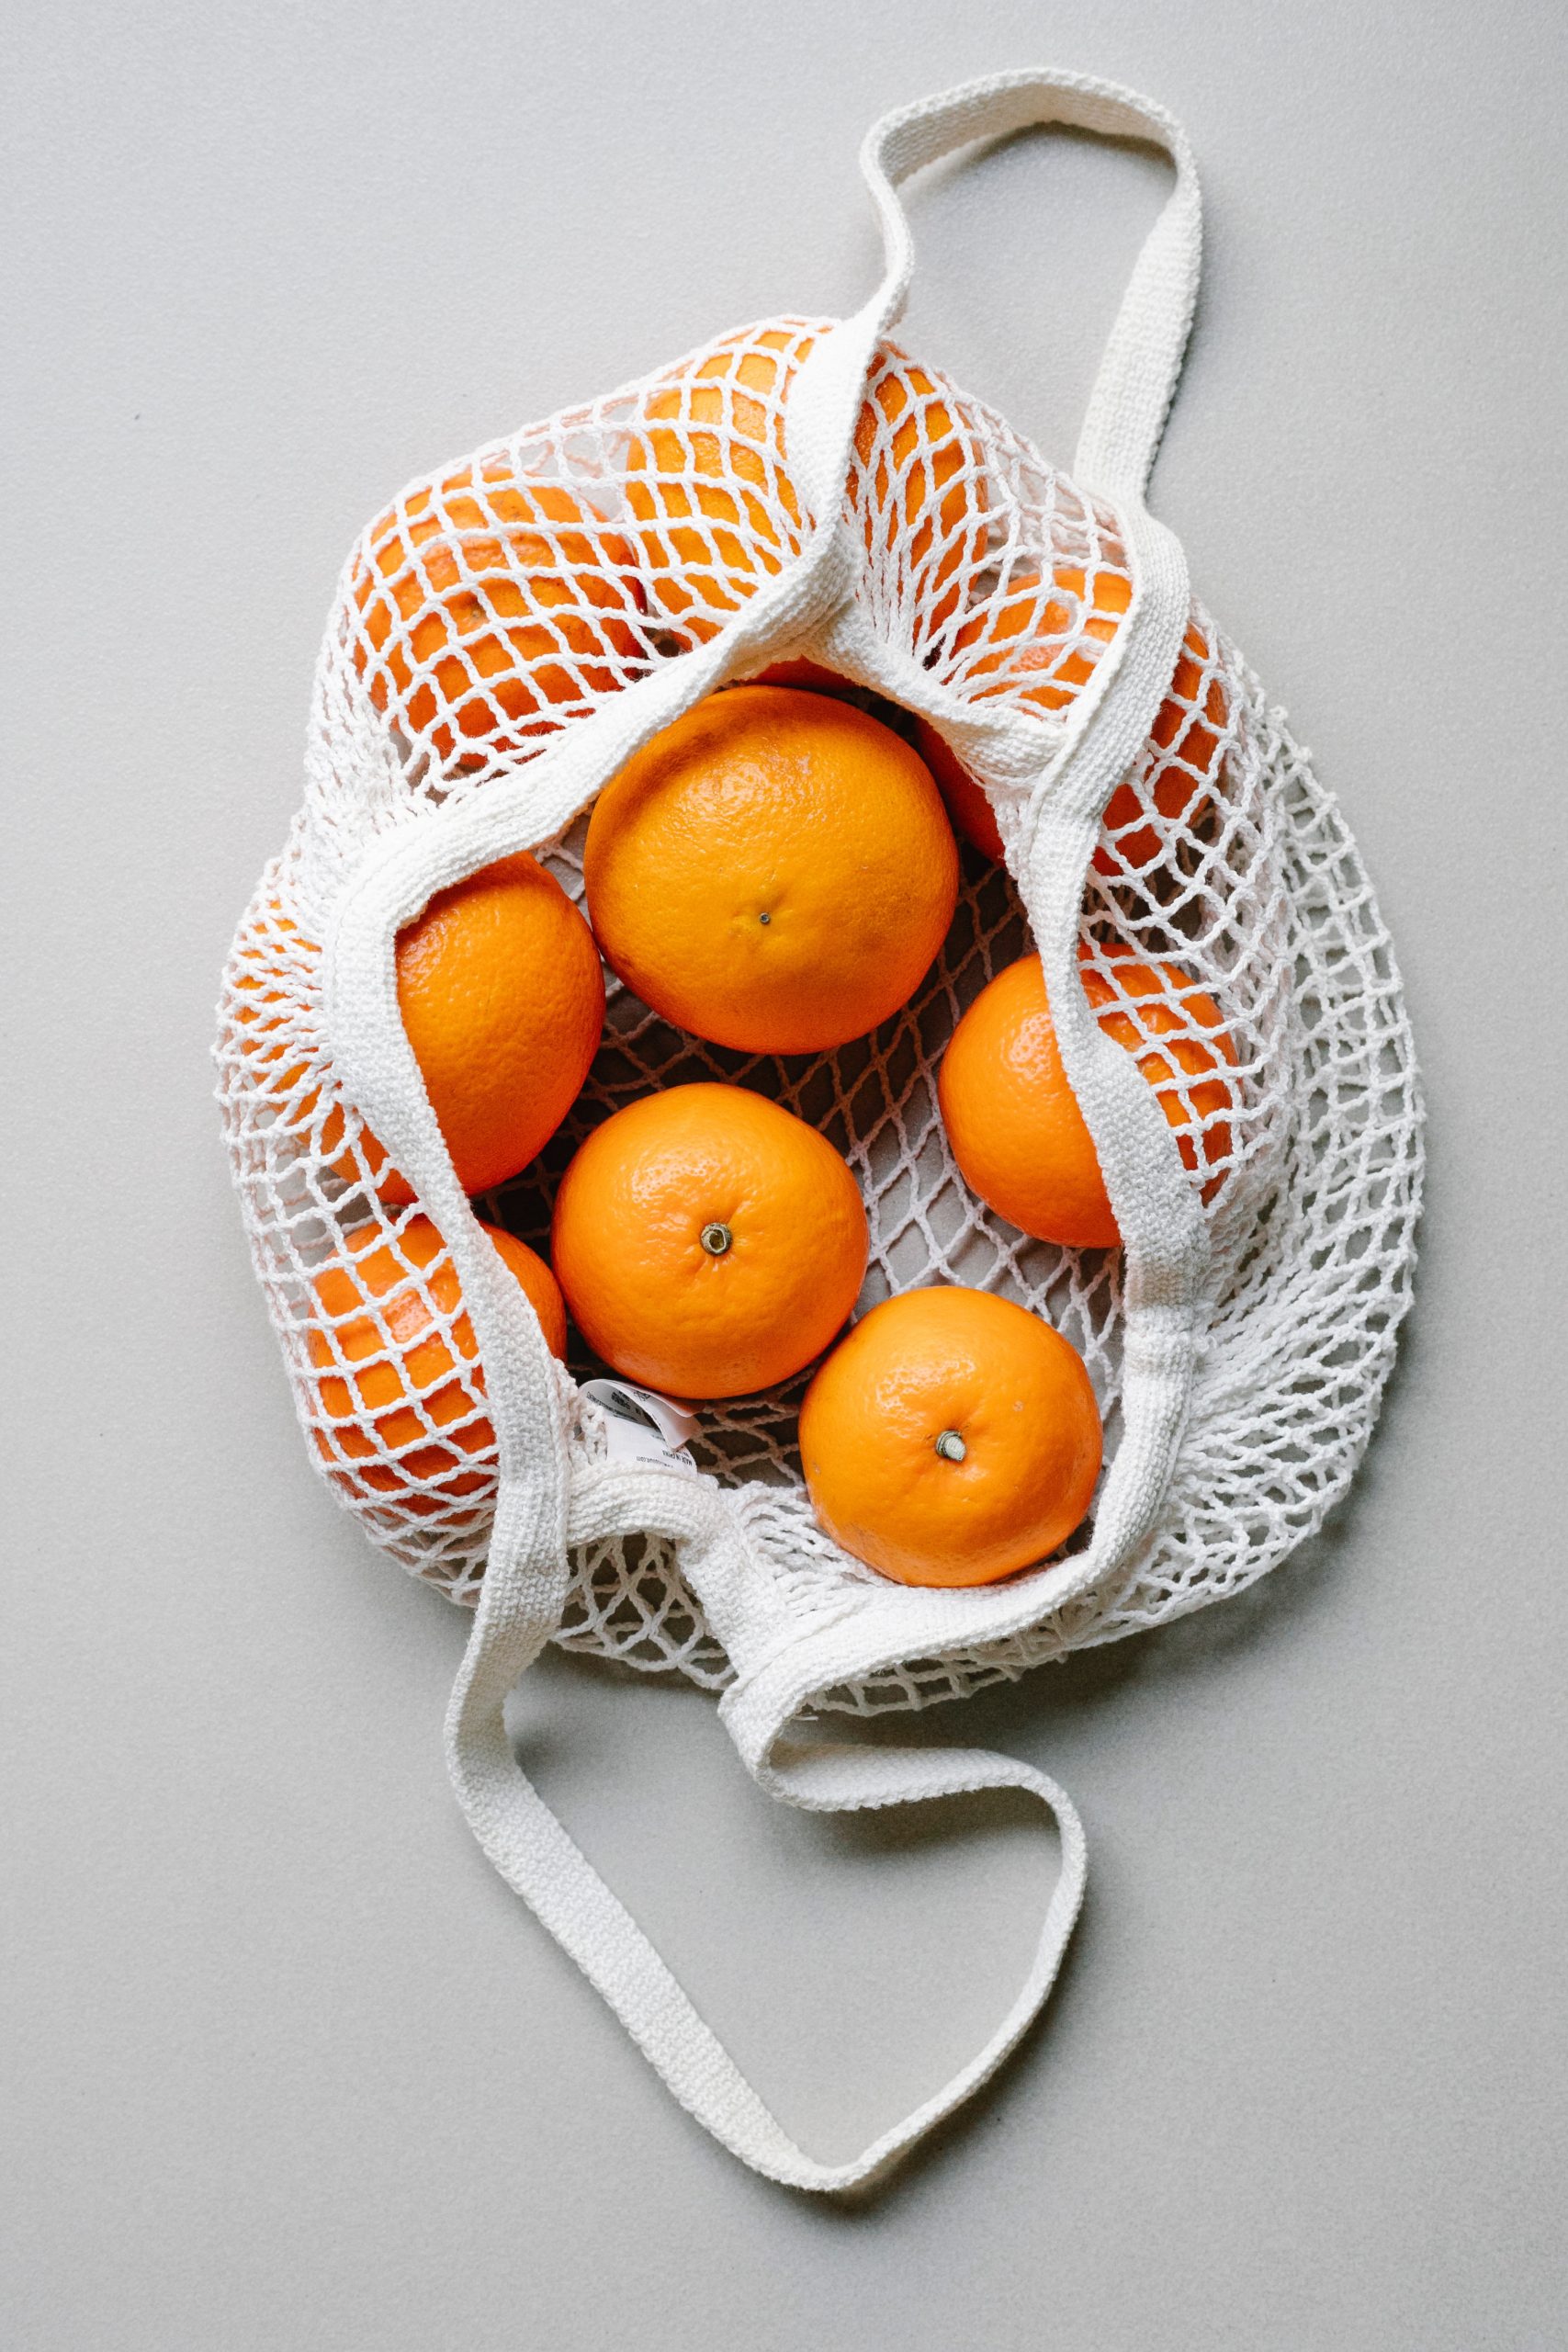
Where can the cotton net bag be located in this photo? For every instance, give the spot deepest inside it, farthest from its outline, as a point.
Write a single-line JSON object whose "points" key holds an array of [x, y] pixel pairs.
{"points": [[504, 638]]}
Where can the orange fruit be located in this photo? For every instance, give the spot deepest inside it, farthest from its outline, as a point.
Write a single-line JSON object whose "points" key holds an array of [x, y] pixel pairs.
{"points": [[1185, 740], [951, 1438], [714, 509], [1013, 1121], [392, 1347], [918, 483], [773, 872], [492, 609], [807, 674], [503, 997], [1032, 642], [709, 1242], [964, 800], [272, 992]]}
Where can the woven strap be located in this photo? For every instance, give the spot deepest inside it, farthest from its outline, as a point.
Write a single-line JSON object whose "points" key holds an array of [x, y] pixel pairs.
{"points": [[527, 1845], [525, 1584], [1141, 359]]}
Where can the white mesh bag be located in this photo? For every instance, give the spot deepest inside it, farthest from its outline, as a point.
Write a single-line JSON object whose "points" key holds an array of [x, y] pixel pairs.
{"points": [[504, 638]]}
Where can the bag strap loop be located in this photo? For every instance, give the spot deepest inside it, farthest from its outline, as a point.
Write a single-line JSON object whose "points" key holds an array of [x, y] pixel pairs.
{"points": [[1141, 360], [523, 1591], [517, 1613]]}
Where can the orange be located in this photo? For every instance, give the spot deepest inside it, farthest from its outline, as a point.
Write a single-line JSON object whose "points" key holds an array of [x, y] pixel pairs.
{"points": [[919, 486], [810, 675], [1029, 644], [775, 871], [392, 1347], [493, 608], [503, 997], [1187, 736], [1013, 1121], [951, 1438], [1185, 739], [715, 510], [273, 990], [1032, 643], [964, 799], [709, 1243]]}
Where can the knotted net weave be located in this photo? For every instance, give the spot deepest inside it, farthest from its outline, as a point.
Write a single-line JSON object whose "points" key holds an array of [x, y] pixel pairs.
{"points": [[504, 599]]}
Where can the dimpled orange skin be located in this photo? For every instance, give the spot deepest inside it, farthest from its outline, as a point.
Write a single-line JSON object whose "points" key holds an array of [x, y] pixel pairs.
{"points": [[421, 1363], [503, 997], [1012, 1119], [646, 1294], [491, 605], [775, 872], [968, 1365]]}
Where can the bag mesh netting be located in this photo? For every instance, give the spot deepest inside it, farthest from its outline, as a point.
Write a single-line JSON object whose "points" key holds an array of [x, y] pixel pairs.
{"points": [[498, 601], [495, 618]]}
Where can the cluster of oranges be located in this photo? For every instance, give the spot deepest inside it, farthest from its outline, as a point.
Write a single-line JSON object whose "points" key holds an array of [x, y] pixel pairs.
{"points": [[775, 872]]}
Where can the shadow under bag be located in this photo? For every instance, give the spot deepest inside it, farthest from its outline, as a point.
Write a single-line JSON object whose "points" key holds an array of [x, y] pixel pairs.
{"points": [[854, 509]]}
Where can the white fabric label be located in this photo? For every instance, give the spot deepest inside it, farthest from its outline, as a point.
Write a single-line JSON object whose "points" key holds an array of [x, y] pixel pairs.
{"points": [[642, 1425]]}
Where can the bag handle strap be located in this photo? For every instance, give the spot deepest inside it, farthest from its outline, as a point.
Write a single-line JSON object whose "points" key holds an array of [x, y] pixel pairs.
{"points": [[524, 1589], [1142, 357], [518, 1609]]}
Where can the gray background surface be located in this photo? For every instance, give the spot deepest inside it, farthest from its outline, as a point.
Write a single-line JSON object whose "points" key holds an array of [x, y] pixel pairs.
{"points": [[288, 2067]]}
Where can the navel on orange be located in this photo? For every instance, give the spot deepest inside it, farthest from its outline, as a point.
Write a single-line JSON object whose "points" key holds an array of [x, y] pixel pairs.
{"points": [[394, 1355], [709, 1243], [1012, 1119], [951, 1438], [775, 871]]}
